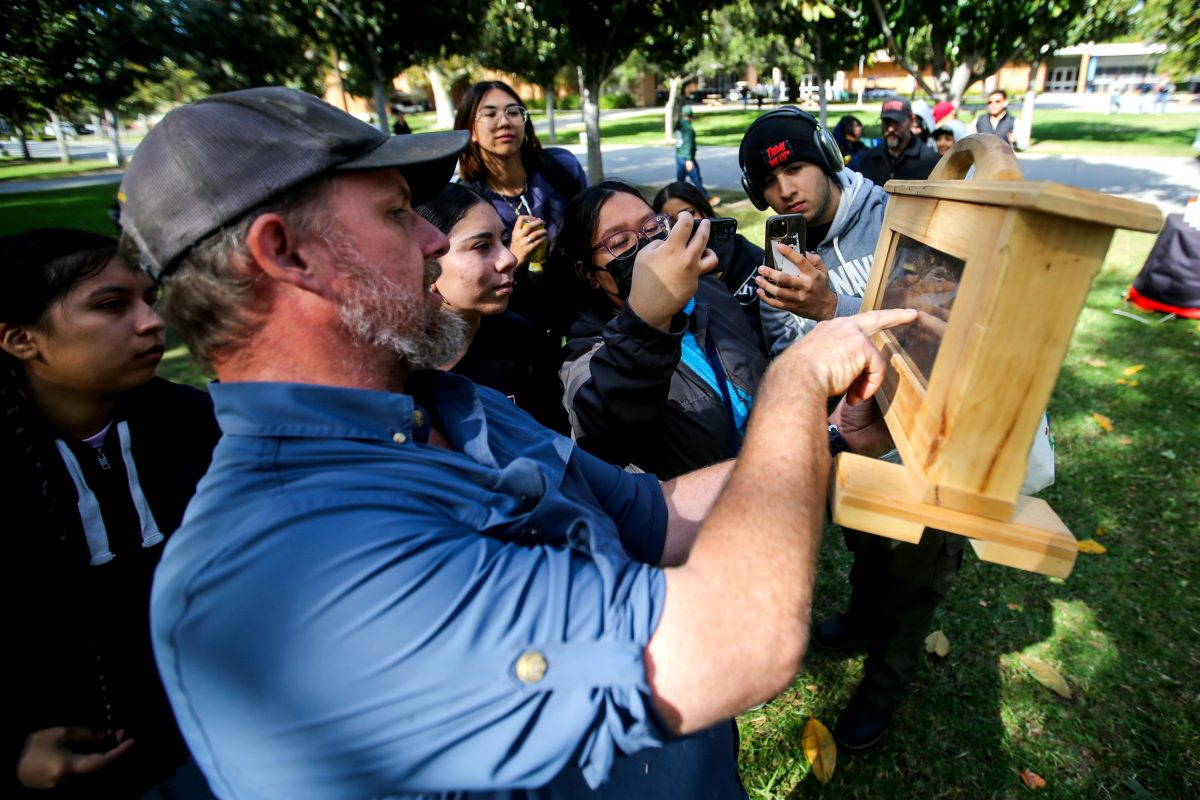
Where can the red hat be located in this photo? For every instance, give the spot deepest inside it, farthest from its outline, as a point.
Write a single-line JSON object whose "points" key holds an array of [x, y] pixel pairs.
{"points": [[942, 110]]}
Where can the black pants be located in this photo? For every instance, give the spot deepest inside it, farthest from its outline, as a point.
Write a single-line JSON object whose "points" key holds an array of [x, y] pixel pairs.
{"points": [[896, 587]]}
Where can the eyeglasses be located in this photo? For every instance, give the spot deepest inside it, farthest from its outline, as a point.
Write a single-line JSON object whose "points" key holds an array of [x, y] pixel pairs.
{"points": [[995, 101], [625, 244], [514, 113]]}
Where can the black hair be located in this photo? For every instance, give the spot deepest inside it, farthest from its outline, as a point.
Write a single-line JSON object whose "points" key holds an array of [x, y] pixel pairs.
{"points": [[40, 267], [450, 205], [847, 122], [686, 192], [1000, 92], [573, 246]]}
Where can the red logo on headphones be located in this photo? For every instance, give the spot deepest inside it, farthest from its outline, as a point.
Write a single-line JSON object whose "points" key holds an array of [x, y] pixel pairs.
{"points": [[777, 154]]}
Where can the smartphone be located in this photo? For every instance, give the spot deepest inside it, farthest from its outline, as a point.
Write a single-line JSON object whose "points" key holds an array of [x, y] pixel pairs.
{"points": [[786, 229], [721, 231]]}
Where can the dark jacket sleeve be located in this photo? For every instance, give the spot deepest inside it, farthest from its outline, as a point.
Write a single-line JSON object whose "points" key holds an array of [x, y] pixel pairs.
{"points": [[623, 380]]}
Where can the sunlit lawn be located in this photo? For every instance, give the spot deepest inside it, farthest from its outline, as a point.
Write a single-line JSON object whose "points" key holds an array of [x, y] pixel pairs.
{"points": [[1124, 628]]}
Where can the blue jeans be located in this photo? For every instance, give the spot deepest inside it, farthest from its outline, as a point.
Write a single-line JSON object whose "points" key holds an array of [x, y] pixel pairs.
{"points": [[681, 173]]}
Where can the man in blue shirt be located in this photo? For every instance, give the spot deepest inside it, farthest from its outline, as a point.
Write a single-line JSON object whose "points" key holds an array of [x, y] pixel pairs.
{"points": [[394, 583]]}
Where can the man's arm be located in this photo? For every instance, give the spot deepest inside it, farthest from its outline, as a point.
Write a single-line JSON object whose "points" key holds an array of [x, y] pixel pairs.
{"points": [[735, 623]]}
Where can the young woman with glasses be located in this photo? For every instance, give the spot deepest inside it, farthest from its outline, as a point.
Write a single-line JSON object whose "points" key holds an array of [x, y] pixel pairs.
{"points": [[661, 366], [100, 459], [529, 185]]}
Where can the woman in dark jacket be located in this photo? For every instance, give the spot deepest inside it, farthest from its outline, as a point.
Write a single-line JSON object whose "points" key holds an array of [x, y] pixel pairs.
{"points": [[661, 367], [738, 259], [100, 460]]}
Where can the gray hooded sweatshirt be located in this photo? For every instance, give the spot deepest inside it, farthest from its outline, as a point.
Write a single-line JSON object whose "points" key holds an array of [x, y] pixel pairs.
{"points": [[848, 251]]}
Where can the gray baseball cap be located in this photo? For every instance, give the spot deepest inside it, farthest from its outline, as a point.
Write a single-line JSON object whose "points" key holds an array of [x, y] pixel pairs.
{"points": [[208, 163]]}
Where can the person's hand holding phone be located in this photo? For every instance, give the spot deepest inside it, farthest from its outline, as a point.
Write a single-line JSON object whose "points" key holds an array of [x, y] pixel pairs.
{"points": [[801, 287], [667, 273]]}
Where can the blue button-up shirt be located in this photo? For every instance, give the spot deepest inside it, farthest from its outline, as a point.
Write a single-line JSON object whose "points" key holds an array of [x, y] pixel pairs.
{"points": [[348, 612]]}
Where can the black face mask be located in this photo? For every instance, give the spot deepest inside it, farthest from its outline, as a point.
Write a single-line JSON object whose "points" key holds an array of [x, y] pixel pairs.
{"points": [[622, 269]]}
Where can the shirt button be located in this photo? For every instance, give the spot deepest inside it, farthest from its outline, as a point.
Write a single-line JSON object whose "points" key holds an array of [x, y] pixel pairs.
{"points": [[418, 418], [531, 667], [399, 438]]}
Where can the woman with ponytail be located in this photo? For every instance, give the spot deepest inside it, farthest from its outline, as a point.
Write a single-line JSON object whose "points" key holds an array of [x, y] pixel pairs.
{"points": [[100, 459]]}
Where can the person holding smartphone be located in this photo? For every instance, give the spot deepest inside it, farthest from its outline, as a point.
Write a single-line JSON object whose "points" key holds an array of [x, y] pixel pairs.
{"points": [[664, 381], [738, 259], [792, 165]]}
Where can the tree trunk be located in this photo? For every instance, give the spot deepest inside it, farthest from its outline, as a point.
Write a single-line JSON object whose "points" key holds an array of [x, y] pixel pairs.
{"points": [[548, 90], [441, 96], [64, 153], [381, 102], [671, 112], [959, 82], [590, 89], [115, 156], [1024, 126], [22, 140]]}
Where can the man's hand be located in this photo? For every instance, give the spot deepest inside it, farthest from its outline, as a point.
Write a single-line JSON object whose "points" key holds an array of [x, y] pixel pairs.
{"points": [[690, 165], [806, 294], [840, 356], [528, 233], [667, 273], [863, 428], [54, 755]]}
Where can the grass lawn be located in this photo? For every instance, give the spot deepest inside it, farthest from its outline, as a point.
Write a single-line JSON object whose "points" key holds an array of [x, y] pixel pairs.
{"points": [[1123, 629], [15, 169]]}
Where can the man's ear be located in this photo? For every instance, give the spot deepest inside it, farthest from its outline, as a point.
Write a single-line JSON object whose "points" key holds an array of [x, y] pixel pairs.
{"points": [[275, 248], [18, 342]]}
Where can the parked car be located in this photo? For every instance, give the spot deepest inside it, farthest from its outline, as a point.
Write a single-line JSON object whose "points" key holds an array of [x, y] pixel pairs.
{"points": [[411, 103], [878, 93], [69, 129]]}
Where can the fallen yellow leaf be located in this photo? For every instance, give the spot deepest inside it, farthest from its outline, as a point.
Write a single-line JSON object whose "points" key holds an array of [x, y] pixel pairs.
{"points": [[1104, 422], [820, 750], [1046, 675], [1092, 547], [1125, 441], [1134, 370], [1032, 779], [1100, 531], [1095, 362], [937, 642]]}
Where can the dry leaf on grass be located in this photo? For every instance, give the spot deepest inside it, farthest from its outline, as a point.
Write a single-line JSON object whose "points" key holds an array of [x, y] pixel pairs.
{"points": [[937, 642], [1104, 422], [820, 749], [1032, 779], [1124, 441], [1095, 362], [1100, 531], [1126, 382], [1092, 547], [1134, 370], [1046, 675]]}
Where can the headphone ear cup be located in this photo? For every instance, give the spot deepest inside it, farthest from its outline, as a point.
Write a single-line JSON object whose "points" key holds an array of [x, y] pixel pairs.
{"points": [[830, 150], [752, 193]]}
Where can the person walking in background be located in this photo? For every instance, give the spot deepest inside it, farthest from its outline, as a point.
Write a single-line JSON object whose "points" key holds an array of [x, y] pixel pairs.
{"points": [[686, 165], [997, 120], [1162, 93]]}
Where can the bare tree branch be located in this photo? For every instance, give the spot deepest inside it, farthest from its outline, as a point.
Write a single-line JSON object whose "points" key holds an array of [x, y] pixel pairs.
{"points": [[894, 49]]}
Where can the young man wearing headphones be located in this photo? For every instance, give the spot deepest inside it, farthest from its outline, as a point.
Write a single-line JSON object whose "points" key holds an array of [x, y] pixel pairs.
{"points": [[793, 165]]}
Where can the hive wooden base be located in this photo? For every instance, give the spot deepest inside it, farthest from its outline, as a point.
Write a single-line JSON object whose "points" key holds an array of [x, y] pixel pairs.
{"points": [[880, 498]]}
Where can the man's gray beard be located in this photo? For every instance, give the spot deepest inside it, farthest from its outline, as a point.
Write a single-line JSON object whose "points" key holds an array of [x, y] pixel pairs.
{"points": [[379, 312]]}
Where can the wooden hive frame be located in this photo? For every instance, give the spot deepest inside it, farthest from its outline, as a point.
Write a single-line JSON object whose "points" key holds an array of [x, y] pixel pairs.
{"points": [[1030, 251]]}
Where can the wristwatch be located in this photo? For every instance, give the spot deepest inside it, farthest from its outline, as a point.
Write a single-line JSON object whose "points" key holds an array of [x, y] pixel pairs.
{"points": [[837, 444]]}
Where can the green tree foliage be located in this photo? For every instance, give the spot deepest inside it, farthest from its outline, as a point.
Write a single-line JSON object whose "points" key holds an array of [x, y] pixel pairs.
{"points": [[1175, 23], [237, 44]]}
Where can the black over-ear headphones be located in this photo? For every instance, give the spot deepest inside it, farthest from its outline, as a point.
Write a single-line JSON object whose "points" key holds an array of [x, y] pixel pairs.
{"points": [[823, 139]]}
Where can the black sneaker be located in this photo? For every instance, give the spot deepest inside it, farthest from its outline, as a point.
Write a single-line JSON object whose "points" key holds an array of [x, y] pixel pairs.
{"points": [[837, 633], [861, 725]]}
